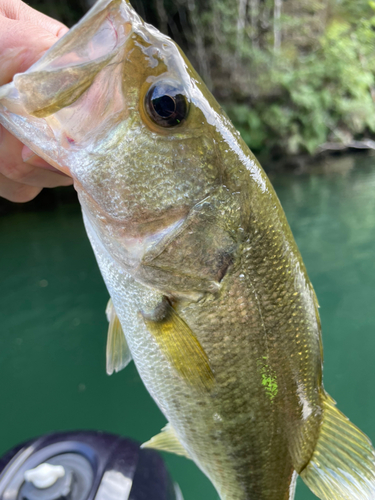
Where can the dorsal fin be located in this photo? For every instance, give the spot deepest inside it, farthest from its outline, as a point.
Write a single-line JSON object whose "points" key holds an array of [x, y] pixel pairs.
{"points": [[118, 353], [167, 440]]}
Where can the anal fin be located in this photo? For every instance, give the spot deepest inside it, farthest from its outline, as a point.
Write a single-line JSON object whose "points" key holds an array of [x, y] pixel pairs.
{"points": [[343, 463], [167, 440], [118, 353]]}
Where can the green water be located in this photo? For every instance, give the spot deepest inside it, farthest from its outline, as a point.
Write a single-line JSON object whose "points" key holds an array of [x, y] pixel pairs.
{"points": [[53, 328]]}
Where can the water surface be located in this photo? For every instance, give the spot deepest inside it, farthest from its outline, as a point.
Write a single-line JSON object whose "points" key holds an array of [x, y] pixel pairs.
{"points": [[53, 328]]}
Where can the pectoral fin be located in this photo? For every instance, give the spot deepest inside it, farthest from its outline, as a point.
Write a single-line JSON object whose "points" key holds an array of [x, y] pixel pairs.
{"points": [[167, 440], [118, 353], [343, 462], [181, 347]]}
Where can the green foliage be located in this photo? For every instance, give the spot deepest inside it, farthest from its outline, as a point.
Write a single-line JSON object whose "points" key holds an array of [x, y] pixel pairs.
{"points": [[326, 94]]}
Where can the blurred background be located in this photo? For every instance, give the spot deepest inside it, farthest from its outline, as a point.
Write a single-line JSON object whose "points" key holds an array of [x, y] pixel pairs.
{"points": [[297, 79]]}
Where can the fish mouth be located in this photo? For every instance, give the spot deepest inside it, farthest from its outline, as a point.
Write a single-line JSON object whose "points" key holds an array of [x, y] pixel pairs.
{"points": [[49, 107]]}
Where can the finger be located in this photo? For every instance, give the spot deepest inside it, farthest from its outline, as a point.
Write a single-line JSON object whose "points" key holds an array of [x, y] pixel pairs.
{"points": [[17, 10], [30, 173], [16, 192], [23, 44]]}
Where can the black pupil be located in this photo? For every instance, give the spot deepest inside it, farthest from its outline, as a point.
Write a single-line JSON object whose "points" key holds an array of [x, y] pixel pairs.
{"points": [[164, 106]]}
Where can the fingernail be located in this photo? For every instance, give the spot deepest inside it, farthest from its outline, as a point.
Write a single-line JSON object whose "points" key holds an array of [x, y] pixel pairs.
{"points": [[62, 31]]}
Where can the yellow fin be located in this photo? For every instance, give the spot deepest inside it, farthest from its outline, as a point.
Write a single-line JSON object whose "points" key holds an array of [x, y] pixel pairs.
{"points": [[343, 463], [118, 353], [181, 347], [167, 440]]}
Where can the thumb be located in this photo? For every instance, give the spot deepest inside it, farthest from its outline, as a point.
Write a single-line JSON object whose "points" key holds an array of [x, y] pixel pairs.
{"points": [[22, 44]]}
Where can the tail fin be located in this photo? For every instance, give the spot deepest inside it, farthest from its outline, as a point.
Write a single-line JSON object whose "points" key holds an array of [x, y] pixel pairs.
{"points": [[343, 463]]}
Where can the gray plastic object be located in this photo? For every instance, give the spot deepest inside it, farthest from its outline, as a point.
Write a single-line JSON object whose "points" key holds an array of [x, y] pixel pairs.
{"points": [[97, 466]]}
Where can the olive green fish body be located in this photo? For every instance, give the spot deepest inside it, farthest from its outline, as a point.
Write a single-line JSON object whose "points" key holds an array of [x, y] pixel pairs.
{"points": [[259, 421]]}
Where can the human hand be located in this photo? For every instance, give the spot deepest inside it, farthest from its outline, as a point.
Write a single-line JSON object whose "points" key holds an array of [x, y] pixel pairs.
{"points": [[25, 34]]}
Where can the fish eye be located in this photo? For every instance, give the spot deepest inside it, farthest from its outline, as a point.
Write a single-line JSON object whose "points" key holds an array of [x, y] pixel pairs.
{"points": [[166, 104]]}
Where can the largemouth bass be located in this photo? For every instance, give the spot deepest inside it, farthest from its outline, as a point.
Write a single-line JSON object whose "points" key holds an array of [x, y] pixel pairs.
{"points": [[210, 296]]}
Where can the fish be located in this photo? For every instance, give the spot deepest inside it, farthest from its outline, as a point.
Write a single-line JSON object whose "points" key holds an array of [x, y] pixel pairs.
{"points": [[209, 293]]}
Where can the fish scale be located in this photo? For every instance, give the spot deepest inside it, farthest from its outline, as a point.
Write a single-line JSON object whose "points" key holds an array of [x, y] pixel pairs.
{"points": [[213, 300], [240, 378]]}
